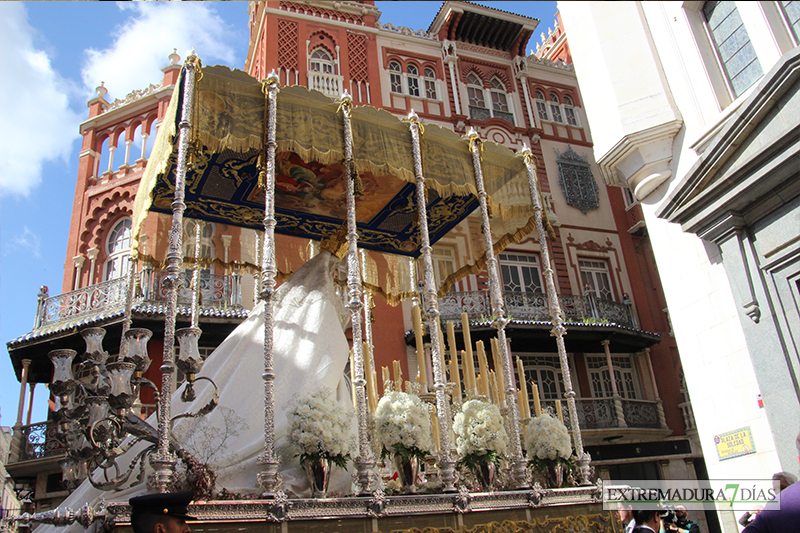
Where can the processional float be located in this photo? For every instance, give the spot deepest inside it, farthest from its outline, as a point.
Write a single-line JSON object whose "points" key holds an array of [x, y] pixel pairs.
{"points": [[231, 135]]}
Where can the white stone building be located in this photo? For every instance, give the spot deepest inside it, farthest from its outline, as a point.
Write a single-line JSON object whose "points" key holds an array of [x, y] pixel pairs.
{"points": [[695, 107]]}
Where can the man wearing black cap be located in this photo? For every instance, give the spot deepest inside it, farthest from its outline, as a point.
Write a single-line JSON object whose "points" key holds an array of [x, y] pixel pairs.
{"points": [[161, 513]]}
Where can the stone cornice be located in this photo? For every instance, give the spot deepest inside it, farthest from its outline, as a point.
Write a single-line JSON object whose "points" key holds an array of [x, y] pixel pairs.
{"points": [[702, 193], [641, 160]]}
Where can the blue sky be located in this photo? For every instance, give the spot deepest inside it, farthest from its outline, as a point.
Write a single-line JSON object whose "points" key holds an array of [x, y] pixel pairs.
{"points": [[52, 56]]}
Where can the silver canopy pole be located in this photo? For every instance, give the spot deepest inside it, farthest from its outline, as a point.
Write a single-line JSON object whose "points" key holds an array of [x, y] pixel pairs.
{"points": [[268, 478], [518, 464], [556, 316], [364, 461], [163, 461], [446, 463]]}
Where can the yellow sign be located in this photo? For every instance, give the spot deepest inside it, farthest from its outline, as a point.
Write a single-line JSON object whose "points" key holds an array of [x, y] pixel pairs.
{"points": [[734, 443]]}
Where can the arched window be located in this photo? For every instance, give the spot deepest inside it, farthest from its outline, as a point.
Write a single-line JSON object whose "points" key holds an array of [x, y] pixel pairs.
{"points": [[500, 101], [430, 84], [555, 108], [541, 106], [569, 112], [413, 80], [395, 77], [477, 103], [321, 61], [118, 250]]}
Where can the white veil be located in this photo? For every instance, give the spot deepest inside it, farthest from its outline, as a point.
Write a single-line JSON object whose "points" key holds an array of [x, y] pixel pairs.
{"points": [[310, 351]]}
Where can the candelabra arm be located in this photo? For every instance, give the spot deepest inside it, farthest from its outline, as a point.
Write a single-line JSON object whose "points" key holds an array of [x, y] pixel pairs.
{"points": [[207, 408]]}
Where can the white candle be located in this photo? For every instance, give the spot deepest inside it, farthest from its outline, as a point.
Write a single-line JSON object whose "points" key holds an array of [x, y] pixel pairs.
{"points": [[422, 371]]}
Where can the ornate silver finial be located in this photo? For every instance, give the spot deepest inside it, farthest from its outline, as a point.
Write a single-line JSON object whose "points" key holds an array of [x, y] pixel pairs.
{"points": [[412, 115], [272, 77]]}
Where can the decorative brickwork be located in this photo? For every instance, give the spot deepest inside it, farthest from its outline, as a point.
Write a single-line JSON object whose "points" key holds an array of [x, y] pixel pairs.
{"points": [[483, 50], [357, 54], [322, 12], [287, 45]]}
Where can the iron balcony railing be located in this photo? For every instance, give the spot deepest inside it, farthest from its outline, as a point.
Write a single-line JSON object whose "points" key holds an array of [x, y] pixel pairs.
{"points": [[216, 290], [39, 441], [603, 413], [533, 306]]}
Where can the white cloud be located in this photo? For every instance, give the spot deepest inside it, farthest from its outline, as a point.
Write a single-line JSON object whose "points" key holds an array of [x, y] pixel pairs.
{"points": [[144, 42], [27, 243], [36, 123]]}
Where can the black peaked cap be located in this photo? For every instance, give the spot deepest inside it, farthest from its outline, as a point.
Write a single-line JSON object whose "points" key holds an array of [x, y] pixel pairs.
{"points": [[167, 504]]}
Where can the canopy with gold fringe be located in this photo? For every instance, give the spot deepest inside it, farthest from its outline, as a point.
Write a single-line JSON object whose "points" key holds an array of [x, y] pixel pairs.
{"points": [[227, 153]]}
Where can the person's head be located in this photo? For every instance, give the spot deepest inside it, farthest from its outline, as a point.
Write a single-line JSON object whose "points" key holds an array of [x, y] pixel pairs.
{"points": [[783, 480], [680, 512], [646, 517], [161, 513], [624, 513]]}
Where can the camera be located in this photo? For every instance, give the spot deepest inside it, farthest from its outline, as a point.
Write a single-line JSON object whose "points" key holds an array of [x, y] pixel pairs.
{"points": [[667, 514]]}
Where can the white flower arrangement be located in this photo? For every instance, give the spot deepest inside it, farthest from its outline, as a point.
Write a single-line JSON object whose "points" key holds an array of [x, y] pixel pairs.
{"points": [[403, 425], [318, 427], [480, 433], [548, 442]]}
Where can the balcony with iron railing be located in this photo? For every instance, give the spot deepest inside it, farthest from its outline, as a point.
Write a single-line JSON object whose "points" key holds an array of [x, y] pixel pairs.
{"points": [[216, 290], [614, 413], [533, 306], [39, 441]]}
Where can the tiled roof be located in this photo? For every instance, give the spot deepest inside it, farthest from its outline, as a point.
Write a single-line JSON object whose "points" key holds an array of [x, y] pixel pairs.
{"points": [[516, 322]]}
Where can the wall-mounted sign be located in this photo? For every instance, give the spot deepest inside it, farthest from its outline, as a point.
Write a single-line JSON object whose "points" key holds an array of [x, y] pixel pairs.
{"points": [[734, 443]]}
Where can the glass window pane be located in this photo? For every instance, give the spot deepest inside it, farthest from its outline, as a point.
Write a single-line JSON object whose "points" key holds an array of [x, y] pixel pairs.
{"points": [[730, 37], [555, 109], [475, 96], [397, 82], [792, 12], [430, 89], [499, 102], [413, 86], [541, 109]]}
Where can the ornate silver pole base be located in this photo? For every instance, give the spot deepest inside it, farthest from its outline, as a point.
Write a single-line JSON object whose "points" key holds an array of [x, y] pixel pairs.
{"points": [[585, 469], [268, 478], [164, 467]]}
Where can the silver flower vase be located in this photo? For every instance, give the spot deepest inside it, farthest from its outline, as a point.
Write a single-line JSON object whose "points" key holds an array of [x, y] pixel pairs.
{"points": [[318, 471], [407, 470], [486, 473], [554, 475]]}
